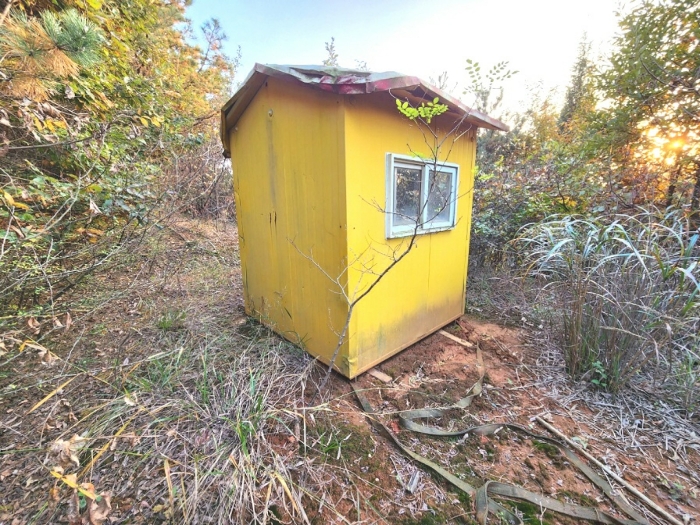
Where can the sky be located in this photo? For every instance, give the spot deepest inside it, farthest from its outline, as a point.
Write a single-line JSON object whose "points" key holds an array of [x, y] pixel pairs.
{"points": [[539, 38]]}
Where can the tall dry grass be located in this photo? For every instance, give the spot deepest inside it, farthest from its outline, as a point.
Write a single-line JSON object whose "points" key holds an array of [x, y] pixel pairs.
{"points": [[630, 287]]}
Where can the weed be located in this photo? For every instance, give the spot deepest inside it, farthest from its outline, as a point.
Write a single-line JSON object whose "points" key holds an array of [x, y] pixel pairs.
{"points": [[600, 377], [332, 446], [171, 320], [158, 374], [99, 329], [529, 512]]}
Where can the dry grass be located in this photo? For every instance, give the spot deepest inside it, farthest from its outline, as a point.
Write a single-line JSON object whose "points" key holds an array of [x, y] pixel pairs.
{"points": [[186, 411], [629, 290]]}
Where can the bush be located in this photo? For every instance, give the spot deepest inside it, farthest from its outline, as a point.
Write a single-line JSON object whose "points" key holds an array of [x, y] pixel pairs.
{"points": [[630, 286]]}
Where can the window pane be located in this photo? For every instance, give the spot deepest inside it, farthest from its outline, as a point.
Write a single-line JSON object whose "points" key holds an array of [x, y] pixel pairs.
{"points": [[440, 198], [407, 195]]}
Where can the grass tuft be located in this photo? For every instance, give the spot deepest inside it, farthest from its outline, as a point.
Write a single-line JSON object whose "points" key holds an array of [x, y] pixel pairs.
{"points": [[631, 287]]}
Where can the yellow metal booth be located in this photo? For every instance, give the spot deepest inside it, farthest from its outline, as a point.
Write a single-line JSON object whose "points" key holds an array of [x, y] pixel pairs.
{"points": [[331, 186]]}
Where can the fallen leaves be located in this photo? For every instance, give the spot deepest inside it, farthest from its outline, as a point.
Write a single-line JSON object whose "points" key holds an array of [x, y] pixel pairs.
{"points": [[97, 508], [47, 356], [65, 452]]}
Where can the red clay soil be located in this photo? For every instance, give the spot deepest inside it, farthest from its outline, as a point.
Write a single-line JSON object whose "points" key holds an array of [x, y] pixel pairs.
{"points": [[437, 372]]}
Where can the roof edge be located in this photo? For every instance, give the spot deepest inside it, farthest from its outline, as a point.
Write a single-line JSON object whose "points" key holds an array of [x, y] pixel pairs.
{"points": [[341, 81]]}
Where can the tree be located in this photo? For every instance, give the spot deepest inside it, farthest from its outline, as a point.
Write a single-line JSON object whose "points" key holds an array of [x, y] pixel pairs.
{"points": [[652, 123], [40, 51], [96, 99], [580, 97]]}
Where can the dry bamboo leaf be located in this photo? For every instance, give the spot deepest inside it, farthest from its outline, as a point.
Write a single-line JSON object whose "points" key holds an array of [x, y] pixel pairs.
{"points": [[130, 400], [54, 494], [47, 357], [94, 209], [51, 394], [73, 514]]}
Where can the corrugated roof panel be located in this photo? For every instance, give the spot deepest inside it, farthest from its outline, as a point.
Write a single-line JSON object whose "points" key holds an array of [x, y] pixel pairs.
{"points": [[344, 82]]}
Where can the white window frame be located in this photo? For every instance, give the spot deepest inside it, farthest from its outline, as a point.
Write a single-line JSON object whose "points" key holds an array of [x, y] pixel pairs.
{"points": [[393, 230]]}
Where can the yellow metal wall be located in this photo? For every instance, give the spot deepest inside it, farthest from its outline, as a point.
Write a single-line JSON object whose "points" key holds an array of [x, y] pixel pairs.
{"points": [[425, 290], [287, 154], [309, 176]]}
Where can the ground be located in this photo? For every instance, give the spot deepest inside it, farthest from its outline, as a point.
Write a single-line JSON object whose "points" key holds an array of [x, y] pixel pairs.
{"points": [[151, 398]]}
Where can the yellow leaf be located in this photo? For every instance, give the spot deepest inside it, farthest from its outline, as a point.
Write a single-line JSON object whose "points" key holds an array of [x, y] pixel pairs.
{"points": [[108, 103], [286, 489], [72, 481], [95, 231], [155, 122], [8, 198], [38, 124], [31, 344], [95, 4], [169, 481], [21, 205], [143, 121]]}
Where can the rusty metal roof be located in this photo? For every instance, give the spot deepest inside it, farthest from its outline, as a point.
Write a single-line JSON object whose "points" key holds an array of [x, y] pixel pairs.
{"points": [[346, 82]]}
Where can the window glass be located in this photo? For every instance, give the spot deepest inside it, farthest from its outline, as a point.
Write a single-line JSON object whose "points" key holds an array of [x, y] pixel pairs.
{"points": [[407, 195], [440, 198], [420, 196]]}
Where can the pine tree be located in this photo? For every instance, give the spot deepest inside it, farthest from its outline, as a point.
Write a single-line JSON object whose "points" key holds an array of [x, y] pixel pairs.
{"points": [[579, 91], [39, 51]]}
